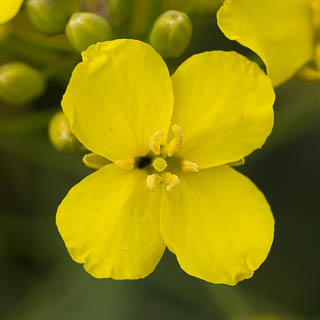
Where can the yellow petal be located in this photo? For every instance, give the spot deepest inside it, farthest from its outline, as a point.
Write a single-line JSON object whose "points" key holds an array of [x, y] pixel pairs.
{"points": [[110, 223], [118, 97], [223, 104], [8, 9], [280, 32], [218, 224]]}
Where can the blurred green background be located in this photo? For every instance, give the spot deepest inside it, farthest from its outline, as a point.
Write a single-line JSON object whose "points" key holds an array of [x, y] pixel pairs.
{"points": [[38, 279]]}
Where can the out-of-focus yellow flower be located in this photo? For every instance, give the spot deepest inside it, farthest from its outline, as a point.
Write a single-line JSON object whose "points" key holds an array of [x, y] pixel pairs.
{"points": [[280, 32], [165, 187], [8, 9]]}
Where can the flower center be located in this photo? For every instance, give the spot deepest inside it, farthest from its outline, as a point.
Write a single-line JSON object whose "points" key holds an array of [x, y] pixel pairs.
{"points": [[143, 162], [164, 160], [160, 163]]}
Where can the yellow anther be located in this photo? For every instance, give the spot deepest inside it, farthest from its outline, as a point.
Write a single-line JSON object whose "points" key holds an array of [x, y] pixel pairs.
{"points": [[155, 142], [125, 164], [153, 181], [177, 142], [171, 181], [159, 164], [237, 163], [188, 166]]}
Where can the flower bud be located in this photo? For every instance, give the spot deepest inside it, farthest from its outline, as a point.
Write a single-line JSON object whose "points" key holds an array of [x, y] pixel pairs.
{"points": [[86, 28], [60, 135], [48, 16], [20, 83], [171, 34]]}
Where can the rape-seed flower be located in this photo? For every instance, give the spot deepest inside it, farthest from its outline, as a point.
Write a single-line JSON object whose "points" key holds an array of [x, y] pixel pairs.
{"points": [[281, 32], [166, 187], [8, 9]]}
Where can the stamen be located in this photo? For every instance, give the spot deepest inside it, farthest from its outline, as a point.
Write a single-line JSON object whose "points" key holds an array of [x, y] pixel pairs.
{"points": [[155, 142], [171, 180], [188, 166], [159, 164], [125, 164], [177, 142], [153, 181]]}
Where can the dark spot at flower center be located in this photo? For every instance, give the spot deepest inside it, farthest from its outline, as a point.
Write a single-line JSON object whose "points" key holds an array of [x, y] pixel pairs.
{"points": [[143, 162]]}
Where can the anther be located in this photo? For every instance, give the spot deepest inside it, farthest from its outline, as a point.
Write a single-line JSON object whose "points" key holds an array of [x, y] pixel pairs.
{"points": [[127, 164], [188, 166], [159, 164], [153, 181], [171, 180], [155, 142], [177, 142]]}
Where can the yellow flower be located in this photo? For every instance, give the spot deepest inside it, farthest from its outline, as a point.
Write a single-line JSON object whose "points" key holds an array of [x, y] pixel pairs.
{"points": [[281, 32], [8, 9], [166, 187]]}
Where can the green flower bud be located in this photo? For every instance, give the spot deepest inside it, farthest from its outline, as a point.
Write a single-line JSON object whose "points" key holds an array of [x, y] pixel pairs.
{"points": [[171, 34], [49, 16], [60, 135], [20, 83], [86, 28]]}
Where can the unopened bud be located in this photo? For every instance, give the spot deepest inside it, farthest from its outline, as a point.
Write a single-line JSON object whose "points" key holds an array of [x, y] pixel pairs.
{"points": [[60, 135], [49, 16], [86, 28], [20, 83], [171, 34]]}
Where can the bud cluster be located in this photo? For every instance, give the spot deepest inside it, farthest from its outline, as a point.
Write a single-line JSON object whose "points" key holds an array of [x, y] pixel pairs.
{"points": [[47, 36]]}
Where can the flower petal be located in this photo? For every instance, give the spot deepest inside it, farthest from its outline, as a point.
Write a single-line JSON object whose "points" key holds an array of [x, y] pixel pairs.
{"points": [[218, 224], [223, 104], [8, 9], [110, 223], [280, 32], [118, 97]]}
